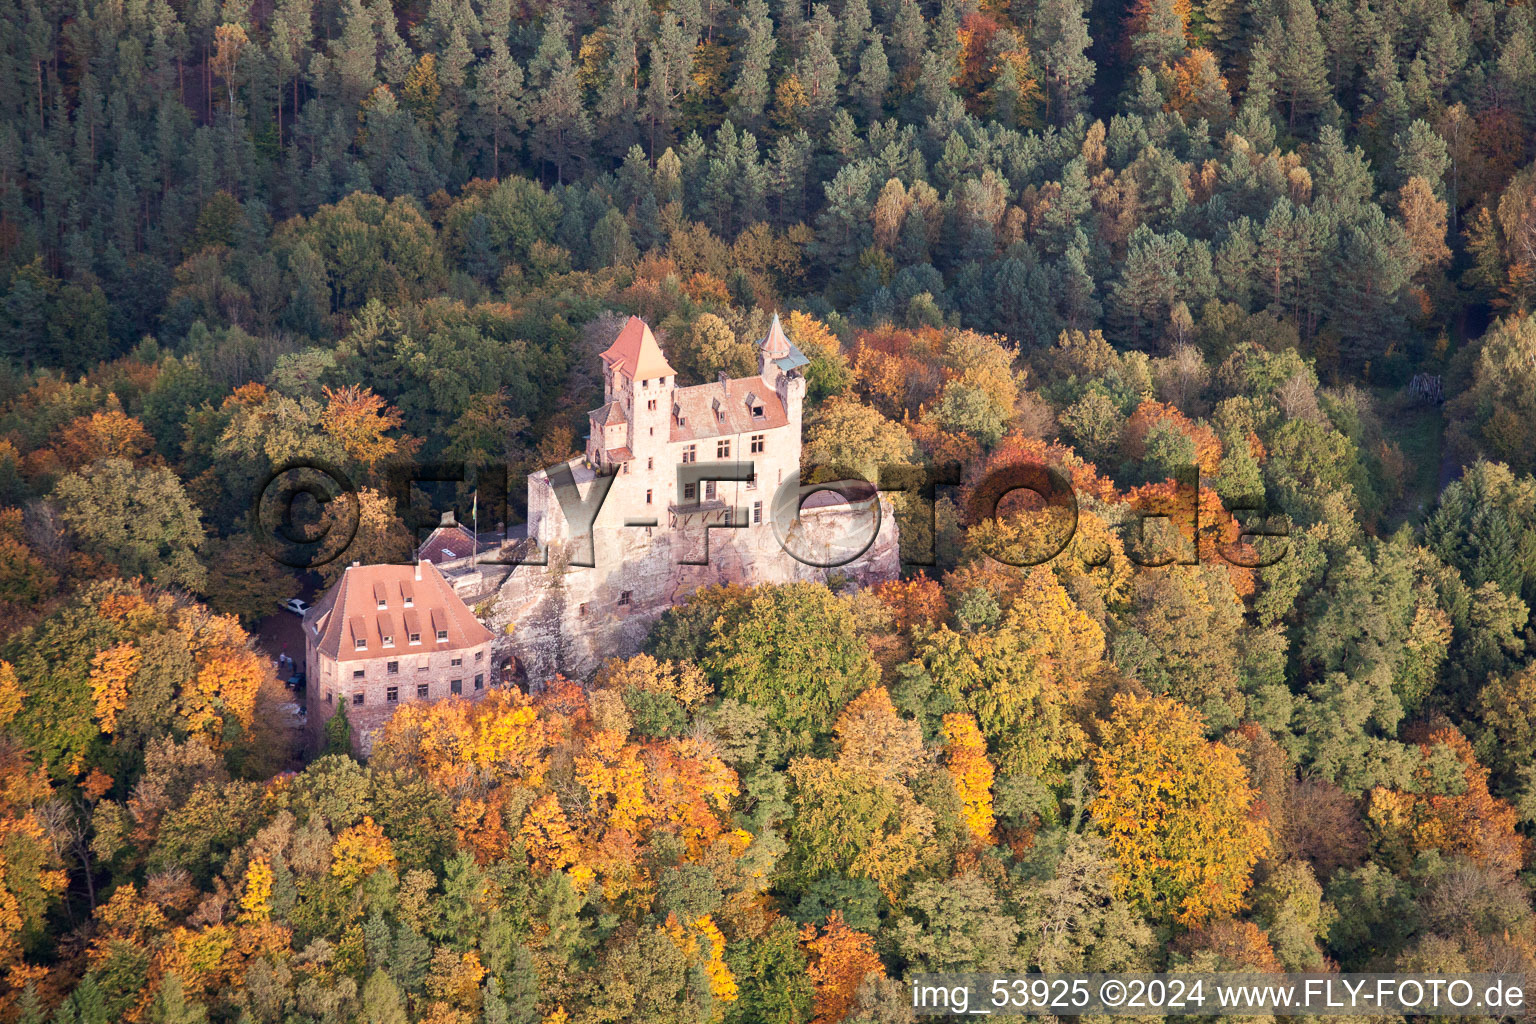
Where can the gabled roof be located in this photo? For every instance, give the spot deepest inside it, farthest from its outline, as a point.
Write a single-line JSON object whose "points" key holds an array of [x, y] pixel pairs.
{"points": [[349, 612], [636, 353]]}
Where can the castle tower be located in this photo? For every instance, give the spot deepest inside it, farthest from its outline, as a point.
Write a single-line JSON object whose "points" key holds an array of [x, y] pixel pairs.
{"points": [[782, 366], [637, 390]]}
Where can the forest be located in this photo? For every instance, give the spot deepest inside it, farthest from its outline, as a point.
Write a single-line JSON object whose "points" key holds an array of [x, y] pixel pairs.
{"points": [[1290, 243]]}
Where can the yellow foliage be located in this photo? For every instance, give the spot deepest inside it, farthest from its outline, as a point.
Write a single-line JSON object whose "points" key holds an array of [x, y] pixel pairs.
{"points": [[710, 953], [359, 851], [226, 683], [965, 755], [256, 900], [611, 772], [547, 835], [11, 694], [873, 737], [1177, 810], [683, 681]]}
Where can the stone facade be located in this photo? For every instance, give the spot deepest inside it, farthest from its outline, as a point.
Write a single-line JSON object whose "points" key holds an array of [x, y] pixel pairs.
{"points": [[662, 528]]}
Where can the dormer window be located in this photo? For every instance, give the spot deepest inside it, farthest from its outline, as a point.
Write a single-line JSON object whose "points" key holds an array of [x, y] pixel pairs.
{"points": [[362, 644], [415, 638], [442, 636], [389, 641], [383, 604], [757, 412], [409, 601]]}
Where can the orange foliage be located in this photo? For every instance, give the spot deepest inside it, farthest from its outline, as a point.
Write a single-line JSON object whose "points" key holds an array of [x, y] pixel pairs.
{"points": [[840, 959], [480, 827], [226, 682], [548, 836], [1149, 414], [1214, 531], [469, 746], [918, 601], [112, 673], [102, 435], [1241, 945], [359, 421], [1472, 822], [1018, 450]]}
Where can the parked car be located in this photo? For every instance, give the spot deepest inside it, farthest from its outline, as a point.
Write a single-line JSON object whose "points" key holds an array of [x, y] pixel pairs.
{"points": [[296, 681], [297, 605]]}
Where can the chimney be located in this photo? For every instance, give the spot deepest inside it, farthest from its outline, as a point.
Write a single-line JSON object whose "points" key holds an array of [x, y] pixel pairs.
{"points": [[419, 563]]}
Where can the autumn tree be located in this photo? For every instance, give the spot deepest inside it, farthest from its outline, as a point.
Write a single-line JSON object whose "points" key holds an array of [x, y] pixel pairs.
{"points": [[1176, 809], [840, 959]]}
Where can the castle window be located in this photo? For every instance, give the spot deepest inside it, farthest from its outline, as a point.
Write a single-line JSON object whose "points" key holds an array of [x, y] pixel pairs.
{"points": [[647, 497], [650, 463], [479, 655], [480, 681], [383, 604], [720, 415], [752, 480], [651, 405], [358, 673], [389, 641], [456, 662], [362, 643], [422, 689], [709, 490], [442, 636], [690, 453], [624, 598], [757, 511], [393, 668], [722, 449], [455, 686], [329, 697], [690, 491], [392, 695], [728, 516], [757, 412], [415, 638], [357, 699], [757, 443]]}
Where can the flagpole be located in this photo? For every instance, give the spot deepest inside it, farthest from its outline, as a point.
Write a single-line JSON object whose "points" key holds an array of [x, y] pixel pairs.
{"points": [[475, 514]]}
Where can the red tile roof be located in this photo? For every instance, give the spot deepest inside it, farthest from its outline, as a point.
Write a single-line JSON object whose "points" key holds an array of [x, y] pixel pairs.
{"points": [[721, 409], [636, 353], [446, 544], [354, 601]]}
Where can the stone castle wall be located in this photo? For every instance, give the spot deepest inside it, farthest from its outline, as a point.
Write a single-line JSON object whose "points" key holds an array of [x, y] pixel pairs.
{"points": [[560, 618]]}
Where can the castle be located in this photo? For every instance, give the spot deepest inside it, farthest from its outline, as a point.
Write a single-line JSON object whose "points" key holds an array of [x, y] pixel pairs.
{"points": [[679, 488]]}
